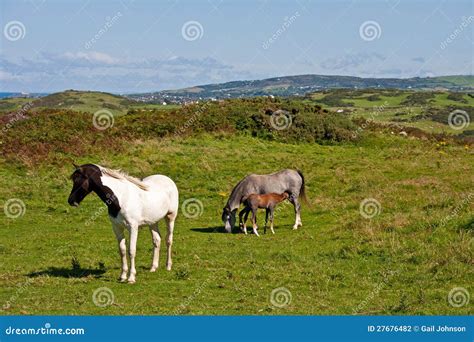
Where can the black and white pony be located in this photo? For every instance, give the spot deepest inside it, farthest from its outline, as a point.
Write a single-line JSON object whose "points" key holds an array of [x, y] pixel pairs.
{"points": [[289, 181], [131, 203]]}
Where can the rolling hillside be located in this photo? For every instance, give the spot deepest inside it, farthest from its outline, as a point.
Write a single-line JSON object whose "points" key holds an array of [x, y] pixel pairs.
{"points": [[302, 84], [83, 101]]}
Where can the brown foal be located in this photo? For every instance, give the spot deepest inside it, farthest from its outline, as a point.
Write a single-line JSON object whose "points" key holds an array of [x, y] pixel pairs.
{"points": [[254, 202]]}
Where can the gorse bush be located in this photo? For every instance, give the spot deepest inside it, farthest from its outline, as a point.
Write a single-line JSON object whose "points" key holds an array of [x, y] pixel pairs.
{"points": [[58, 133]]}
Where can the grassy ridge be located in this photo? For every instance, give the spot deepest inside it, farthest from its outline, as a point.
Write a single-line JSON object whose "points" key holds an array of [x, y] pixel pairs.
{"points": [[58, 134]]}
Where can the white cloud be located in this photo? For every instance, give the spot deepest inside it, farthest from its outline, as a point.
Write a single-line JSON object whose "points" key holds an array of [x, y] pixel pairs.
{"points": [[6, 76], [95, 70], [91, 56]]}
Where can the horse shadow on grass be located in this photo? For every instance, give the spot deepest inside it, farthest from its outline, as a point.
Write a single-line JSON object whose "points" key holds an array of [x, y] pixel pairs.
{"points": [[65, 272], [210, 230]]}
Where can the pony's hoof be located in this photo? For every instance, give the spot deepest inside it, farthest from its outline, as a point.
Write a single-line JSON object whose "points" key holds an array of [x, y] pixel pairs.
{"points": [[168, 267], [153, 269], [131, 281], [295, 227]]}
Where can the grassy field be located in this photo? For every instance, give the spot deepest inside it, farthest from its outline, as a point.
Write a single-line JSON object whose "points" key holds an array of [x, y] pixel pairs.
{"points": [[427, 110], [404, 260]]}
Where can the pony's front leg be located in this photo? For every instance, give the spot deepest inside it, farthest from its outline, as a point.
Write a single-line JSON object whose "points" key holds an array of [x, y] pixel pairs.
{"points": [[241, 223], [245, 220], [271, 220], [132, 250], [267, 211], [118, 230]]}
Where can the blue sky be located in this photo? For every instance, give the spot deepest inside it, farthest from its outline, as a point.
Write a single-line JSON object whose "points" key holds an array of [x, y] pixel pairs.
{"points": [[138, 46]]}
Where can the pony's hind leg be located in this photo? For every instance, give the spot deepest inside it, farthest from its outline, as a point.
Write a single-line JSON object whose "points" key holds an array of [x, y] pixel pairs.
{"points": [[156, 238], [170, 218], [119, 234], [132, 250], [294, 200]]}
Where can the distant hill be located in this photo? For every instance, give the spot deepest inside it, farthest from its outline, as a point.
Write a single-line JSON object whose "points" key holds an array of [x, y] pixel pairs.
{"points": [[6, 95], [302, 84], [85, 101]]}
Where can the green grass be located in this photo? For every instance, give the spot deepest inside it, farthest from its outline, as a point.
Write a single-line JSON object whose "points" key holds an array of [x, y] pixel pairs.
{"points": [[12, 104], [386, 106], [51, 261], [465, 81]]}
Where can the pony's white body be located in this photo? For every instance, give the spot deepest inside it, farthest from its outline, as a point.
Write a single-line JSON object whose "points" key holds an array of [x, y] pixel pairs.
{"points": [[142, 203], [143, 207]]}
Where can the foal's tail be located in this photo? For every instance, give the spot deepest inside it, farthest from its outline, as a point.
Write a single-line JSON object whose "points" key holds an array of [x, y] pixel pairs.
{"points": [[302, 190]]}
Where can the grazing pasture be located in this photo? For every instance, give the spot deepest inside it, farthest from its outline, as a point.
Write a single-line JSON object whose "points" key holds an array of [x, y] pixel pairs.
{"points": [[389, 230], [54, 257]]}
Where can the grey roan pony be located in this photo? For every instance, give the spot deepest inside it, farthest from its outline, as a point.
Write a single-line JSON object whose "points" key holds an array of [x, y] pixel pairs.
{"points": [[290, 181]]}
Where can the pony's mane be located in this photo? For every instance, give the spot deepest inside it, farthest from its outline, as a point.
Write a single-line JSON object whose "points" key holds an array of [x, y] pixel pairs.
{"points": [[119, 174]]}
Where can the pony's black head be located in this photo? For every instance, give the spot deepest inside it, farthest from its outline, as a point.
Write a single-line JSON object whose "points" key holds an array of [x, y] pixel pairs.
{"points": [[84, 178], [228, 217]]}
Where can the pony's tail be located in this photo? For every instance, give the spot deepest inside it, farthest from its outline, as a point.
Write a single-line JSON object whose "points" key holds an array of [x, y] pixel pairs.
{"points": [[303, 197]]}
